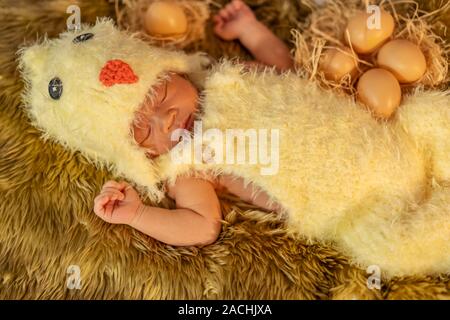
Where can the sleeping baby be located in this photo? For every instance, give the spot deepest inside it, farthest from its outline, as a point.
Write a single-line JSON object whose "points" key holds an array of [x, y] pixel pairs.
{"points": [[196, 220], [160, 119]]}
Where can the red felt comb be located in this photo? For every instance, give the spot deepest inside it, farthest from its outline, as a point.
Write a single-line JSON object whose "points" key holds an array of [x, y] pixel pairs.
{"points": [[117, 72]]}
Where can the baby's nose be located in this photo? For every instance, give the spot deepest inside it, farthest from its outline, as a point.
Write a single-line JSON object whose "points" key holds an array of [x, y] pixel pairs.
{"points": [[117, 72]]}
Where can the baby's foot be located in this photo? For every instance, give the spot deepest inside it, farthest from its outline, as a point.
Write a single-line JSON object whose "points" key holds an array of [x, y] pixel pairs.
{"points": [[232, 20]]}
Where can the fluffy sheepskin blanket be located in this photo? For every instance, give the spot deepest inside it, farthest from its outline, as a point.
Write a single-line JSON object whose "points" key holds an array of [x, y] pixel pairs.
{"points": [[47, 227]]}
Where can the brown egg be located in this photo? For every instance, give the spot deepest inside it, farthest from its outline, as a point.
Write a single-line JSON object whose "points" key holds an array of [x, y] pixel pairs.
{"points": [[165, 18], [366, 40], [335, 64], [380, 91], [404, 59]]}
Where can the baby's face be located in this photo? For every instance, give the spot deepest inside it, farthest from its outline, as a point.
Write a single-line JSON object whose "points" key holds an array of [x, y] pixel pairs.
{"points": [[173, 107]]}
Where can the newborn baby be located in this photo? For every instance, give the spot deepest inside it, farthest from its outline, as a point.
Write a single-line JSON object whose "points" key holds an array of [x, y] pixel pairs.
{"points": [[196, 221], [379, 191]]}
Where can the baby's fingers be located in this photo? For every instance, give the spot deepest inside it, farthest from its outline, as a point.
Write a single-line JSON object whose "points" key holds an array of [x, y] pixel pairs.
{"points": [[111, 184], [109, 208], [113, 194], [102, 200], [104, 207], [99, 204]]}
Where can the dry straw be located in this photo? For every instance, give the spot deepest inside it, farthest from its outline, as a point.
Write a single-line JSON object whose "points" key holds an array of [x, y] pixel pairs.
{"points": [[129, 14], [325, 28]]}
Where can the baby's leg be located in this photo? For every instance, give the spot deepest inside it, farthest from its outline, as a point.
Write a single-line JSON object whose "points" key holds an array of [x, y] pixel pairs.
{"points": [[398, 237], [426, 119], [406, 238]]}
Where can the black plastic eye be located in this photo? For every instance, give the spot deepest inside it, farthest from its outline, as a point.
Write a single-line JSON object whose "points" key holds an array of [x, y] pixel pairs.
{"points": [[83, 37], [55, 88]]}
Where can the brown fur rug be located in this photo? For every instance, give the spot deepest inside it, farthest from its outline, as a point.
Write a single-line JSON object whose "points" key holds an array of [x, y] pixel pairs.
{"points": [[47, 223]]}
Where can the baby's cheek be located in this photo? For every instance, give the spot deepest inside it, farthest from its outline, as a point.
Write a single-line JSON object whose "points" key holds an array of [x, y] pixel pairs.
{"points": [[161, 145]]}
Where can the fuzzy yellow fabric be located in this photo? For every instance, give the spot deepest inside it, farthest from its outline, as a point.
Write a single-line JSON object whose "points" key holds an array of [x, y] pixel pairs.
{"points": [[379, 190], [342, 176], [90, 116], [47, 224]]}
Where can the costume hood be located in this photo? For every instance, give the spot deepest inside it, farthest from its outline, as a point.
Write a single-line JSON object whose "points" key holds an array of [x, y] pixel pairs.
{"points": [[83, 89]]}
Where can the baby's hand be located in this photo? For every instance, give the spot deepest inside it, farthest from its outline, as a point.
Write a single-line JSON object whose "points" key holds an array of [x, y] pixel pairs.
{"points": [[117, 203], [233, 19]]}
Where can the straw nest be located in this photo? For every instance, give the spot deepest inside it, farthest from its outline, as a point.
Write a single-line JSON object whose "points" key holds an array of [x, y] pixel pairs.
{"points": [[130, 13], [280, 15], [325, 28]]}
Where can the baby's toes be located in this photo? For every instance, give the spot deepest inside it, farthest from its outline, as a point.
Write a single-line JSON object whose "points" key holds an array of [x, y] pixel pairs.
{"points": [[237, 4], [217, 19], [244, 8], [232, 10], [224, 14]]}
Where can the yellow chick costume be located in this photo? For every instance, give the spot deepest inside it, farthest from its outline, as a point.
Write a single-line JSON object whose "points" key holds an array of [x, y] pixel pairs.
{"points": [[379, 191]]}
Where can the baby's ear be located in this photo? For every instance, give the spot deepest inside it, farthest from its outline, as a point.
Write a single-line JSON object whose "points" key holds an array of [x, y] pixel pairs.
{"points": [[31, 59]]}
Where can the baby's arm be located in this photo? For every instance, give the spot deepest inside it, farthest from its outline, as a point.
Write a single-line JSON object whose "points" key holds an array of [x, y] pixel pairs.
{"points": [[195, 221], [248, 192], [237, 21]]}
